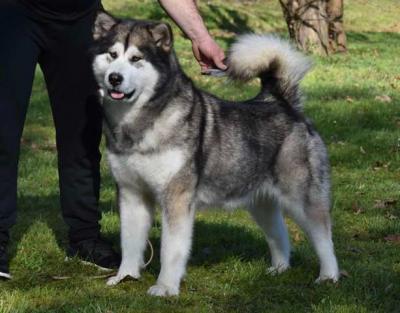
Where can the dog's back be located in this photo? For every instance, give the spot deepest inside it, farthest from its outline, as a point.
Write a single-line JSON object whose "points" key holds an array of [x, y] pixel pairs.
{"points": [[247, 149]]}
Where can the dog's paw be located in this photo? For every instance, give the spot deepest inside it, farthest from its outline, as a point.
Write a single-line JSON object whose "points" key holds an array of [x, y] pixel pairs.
{"points": [[160, 290], [114, 280], [325, 278], [276, 270]]}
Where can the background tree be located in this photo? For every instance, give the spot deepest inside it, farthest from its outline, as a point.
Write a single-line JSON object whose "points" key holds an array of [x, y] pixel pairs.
{"points": [[316, 25], [337, 35]]}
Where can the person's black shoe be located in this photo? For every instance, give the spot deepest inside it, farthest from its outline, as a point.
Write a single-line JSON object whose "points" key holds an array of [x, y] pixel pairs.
{"points": [[4, 272], [95, 251]]}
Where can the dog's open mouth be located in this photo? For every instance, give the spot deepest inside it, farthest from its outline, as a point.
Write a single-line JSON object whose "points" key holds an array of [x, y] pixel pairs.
{"points": [[118, 95]]}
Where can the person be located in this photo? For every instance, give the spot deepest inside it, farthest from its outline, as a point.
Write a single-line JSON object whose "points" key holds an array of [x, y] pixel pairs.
{"points": [[57, 36]]}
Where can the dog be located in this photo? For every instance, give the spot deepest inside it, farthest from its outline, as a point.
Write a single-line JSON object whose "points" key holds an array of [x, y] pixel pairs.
{"points": [[172, 144]]}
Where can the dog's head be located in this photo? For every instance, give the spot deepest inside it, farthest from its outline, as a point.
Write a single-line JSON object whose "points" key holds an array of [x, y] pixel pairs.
{"points": [[131, 57]]}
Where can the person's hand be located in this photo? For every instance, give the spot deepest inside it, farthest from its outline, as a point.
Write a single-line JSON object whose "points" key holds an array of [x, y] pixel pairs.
{"points": [[208, 53]]}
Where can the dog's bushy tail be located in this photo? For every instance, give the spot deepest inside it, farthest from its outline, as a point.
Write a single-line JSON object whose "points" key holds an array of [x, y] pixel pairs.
{"points": [[275, 61]]}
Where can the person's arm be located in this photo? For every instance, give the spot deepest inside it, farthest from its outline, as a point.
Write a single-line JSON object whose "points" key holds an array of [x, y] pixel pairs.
{"points": [[205, 49]]}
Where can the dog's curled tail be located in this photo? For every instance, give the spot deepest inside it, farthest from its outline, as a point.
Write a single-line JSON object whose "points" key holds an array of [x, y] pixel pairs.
{"points": [[275, 61]]}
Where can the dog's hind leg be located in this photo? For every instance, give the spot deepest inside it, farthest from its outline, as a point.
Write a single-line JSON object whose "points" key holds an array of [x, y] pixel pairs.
{"points": [[315, 222], [177, 229], [269, 217], [136, 217], [304, 191]]}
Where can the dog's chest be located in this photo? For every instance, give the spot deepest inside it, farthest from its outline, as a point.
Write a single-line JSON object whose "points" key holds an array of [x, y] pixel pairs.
{"points": [[152, 155], [154, 169]]}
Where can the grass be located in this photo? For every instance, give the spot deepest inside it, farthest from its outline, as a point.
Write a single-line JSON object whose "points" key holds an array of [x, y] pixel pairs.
{"points": [[227, 270]]}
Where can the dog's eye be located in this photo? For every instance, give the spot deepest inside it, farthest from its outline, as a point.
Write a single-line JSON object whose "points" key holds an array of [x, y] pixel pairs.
{"points": [[135, 59], [113, 54]]}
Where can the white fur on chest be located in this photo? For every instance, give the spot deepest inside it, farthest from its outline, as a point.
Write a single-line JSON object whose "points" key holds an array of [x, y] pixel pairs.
{"points": [[155, 170]]}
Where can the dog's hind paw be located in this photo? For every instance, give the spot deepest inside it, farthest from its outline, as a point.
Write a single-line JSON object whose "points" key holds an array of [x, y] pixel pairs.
{"points": [[162, 291], [275, 270]]}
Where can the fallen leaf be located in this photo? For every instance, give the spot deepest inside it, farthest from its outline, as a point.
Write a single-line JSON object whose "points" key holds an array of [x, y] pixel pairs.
{"points": [[362, 150], [383, 98], [349, 99], [382, 204], [391, 201], [393, 238], [391, 216], [356, 208], [378, 165], [379, 204]]}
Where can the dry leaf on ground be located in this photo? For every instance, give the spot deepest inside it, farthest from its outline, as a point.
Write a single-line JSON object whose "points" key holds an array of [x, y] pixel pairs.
{"points": [[383, 98], [395, 238]]}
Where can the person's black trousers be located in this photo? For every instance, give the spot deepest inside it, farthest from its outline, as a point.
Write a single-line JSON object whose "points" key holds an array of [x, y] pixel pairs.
{"points": [[61, 50]]}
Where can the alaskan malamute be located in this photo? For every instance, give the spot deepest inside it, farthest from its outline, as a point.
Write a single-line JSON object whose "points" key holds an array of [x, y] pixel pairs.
{"points": [[170, 143]]}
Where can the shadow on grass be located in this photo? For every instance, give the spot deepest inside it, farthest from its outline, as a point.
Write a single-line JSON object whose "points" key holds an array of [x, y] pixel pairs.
{"points": [[227, 240], [337, 114], [367, 291], [348, 125], [217, 242], [47, 210], [375, 38], [347, 94], [214, 242], [227, 19]]}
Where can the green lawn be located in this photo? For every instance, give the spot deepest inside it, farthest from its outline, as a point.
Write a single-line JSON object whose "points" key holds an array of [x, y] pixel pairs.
{"points": [[345, 97]]}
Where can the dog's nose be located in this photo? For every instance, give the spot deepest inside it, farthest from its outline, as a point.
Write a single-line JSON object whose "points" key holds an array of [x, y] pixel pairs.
{"points": [[115, 79]]}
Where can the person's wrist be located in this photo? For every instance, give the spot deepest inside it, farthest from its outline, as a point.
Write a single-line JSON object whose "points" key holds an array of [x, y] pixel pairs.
{"points": [[200, 37]]}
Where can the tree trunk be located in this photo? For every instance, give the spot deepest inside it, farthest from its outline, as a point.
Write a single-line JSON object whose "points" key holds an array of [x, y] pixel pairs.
{"points": [[337, 36], [308, 24]]}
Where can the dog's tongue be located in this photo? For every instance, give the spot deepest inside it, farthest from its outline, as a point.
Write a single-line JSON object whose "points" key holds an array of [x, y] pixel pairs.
{"points": [[117, 95]]}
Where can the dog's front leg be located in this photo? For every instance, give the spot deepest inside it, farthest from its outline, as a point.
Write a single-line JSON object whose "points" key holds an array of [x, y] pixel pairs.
{"points": [[136, 216], [177, 229]]}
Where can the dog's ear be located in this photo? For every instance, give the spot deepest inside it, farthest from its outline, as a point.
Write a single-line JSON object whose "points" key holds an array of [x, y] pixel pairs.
{"points": [[162, 35], [103, 23]]}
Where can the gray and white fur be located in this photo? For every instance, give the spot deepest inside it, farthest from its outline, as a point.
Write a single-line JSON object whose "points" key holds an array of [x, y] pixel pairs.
{"points": [[171, 144]]}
